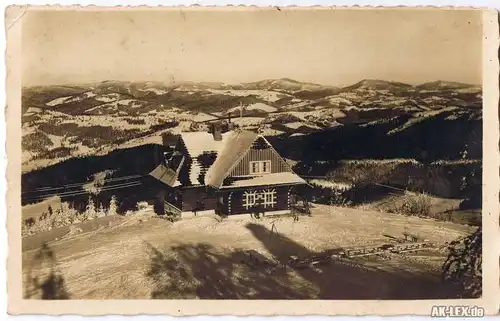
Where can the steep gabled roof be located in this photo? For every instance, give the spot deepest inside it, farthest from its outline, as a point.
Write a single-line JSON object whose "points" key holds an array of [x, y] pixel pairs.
{"points": [[222, 156], [227, 151], [237, 144]]}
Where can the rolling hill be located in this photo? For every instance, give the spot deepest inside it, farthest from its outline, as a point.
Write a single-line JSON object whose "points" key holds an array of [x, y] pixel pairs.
{"points": [[61, 122]]}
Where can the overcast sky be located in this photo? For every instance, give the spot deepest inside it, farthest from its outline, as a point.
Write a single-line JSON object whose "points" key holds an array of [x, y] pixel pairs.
{"points": [[333, 47]]}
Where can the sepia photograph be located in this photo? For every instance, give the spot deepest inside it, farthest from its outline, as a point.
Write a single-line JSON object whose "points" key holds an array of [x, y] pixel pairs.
{"points": [[251, 154]]}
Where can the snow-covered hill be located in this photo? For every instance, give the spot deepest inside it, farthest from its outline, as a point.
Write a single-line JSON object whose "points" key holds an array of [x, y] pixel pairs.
{"points": [[108, 114]]}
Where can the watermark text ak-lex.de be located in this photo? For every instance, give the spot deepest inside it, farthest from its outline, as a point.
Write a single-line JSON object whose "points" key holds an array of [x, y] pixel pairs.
{"points": [[459, 311]]}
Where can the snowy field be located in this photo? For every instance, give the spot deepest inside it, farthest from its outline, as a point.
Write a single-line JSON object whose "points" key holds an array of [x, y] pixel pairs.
{"points": [[139, 256]]}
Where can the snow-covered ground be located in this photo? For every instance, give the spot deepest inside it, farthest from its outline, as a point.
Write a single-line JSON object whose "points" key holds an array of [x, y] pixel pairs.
{"points": [[267, 95], [300, 104], [248, 121], [340, 101], [49, 115], [256, 106], [116, 105], [435, 100], [81, 149], [89, 94], [32, 111], [56, 141], [271, 132], [26, 156], [261, 106], [468, 90], [26, 129], [331, 113], [199, 117], [136, 246], [329, 184], [419, 117], [70, 99], [110, 121], [154, 90], [107, 98], [313, 114], [58, 101], [351, 96], [295, 125]]}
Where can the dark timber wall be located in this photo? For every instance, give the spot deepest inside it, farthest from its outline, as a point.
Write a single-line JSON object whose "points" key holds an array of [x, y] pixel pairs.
{"points": [[198, 198], [235, 197]]}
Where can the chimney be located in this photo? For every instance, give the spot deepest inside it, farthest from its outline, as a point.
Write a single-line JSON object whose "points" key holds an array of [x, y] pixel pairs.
{"points": [[216, 131]]}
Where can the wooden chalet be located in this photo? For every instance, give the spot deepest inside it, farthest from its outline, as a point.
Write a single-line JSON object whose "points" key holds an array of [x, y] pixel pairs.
{"points": [[235, 172]]}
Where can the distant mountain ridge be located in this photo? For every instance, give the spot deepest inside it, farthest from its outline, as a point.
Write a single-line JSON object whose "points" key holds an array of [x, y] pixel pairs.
{"points": [[84, 119], [276, 84], [445, 85]]}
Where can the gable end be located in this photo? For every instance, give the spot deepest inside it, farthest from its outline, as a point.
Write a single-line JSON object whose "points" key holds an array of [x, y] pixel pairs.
{"points": [[260, 151]]}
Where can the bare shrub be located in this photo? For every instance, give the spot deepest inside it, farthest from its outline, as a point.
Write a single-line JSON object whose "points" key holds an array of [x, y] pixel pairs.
{"points": [[416, 204], [338, 198]]}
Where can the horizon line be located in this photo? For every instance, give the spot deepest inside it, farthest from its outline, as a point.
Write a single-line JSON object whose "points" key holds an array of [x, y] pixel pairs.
{"points": [[179, 83]]}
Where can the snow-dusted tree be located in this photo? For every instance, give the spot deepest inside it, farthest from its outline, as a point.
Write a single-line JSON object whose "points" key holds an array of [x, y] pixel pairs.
{"points": [[113, 206], [101, 212], [72, 213], [90, 211], [62, 218], [43, 224], [463, 267]]}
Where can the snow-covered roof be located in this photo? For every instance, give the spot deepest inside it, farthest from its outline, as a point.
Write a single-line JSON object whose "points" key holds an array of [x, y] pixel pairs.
{"points": [[237, 144], [227, 150], [267, 179], [212, 160], [199, 143]]}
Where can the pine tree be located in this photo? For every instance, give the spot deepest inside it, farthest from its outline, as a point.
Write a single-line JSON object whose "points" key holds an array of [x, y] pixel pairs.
{"points": [[101, 212], [113, 206], [90, 210]]}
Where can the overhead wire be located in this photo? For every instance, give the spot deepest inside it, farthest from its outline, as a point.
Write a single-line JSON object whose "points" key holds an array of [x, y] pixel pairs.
{"points": [[74, 185], [82, 192]]}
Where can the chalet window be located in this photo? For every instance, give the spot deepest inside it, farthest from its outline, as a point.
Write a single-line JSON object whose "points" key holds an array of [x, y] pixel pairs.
{"points": [[269, 197], [265, 167], [260, 167], [254, 167], [249, 199]]}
